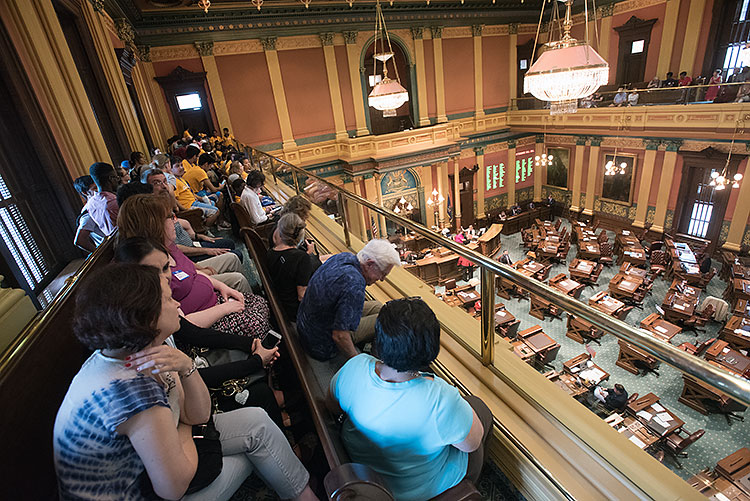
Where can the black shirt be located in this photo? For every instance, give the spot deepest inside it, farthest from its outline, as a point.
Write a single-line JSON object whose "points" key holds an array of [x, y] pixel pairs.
{"points": [[614, 400], [288, 269]]}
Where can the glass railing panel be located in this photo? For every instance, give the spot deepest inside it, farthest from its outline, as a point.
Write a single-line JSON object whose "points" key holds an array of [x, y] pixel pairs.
{"points": [[642, 95]]}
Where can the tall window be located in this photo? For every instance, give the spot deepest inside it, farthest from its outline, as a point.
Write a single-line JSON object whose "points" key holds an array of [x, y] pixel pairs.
{"points": [[703, 207], [733, 36]]}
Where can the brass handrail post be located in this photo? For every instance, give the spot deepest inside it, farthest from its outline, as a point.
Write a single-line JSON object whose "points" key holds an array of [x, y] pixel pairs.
{"points": [[488, 317], [344, 219], [296, 182]]}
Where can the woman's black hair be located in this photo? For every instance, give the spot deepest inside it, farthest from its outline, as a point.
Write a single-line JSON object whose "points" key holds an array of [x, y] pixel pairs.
{"points": [[407, 334], [255, 178], [134, 249], [118, 307]]}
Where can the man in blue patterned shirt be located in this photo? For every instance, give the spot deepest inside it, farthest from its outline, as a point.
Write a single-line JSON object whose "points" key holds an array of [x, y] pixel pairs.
{"points": [[334, 315]]}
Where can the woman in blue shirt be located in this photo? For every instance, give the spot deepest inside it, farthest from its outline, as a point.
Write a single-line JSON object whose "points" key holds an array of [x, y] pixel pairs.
{"points": [[411, 427]]}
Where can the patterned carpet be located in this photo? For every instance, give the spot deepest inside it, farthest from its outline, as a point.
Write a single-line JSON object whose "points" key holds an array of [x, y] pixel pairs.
{"points": [[720, 439]]}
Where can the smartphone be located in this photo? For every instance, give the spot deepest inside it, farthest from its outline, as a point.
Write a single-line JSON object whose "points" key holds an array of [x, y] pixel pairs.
{"points": [[271, 340]]}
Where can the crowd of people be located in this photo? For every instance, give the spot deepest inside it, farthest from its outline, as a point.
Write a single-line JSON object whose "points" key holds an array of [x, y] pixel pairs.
{"points": [[183, 396]]}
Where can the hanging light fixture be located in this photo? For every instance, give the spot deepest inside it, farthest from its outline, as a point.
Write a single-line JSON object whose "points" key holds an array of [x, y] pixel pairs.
{"points": [[567, 70], [204, 4], [403, 206], [543, 160], [387, 95]]}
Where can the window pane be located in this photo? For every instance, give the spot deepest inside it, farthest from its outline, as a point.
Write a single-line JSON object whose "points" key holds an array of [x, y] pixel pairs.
{"points": [[637, 46], [189, 102]]}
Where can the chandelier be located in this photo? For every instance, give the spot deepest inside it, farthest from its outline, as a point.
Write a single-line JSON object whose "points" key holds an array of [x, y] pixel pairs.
{"points": [[611, 168], [567, 70], [721, 180], [542, 161], [403, 206], [204, 4], [388, 95]]}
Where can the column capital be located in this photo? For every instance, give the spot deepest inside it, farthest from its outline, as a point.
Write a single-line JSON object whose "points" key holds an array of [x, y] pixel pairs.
{"points": [[606, 10], [143, 53], [347, 178], [268, 43], [581, 140], [511, 143], [539, 138], [98, 5], [326, 39], [125, 31], [596, 140], [673, 144], [479, 150], [513, 28], [350, 37], [204, 48], [437, 31], [417, 32], [476, 30], [652, 144]]}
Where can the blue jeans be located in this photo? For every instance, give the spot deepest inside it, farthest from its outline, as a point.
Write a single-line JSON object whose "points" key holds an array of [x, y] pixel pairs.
{"points": [[208, 209]]}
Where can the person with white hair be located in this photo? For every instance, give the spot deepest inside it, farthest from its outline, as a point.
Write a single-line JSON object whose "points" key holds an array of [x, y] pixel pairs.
{"points": [[333, 316]]}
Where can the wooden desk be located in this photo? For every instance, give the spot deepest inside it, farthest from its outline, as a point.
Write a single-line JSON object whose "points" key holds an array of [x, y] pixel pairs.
{"points": [[740, 271], [503, 317], [489, 243], [523, 351], [629, 356], [539, 342], [660, 328], [733, 466], [683, 288], [742, 308], [635, 255], [625, 285], [630, 270], [678, 306], [581, 269], [696, 395], [438, 266], [566, 285], [730, 359], [570, 384], [738, 340], [649, 404], [740, 289], [588, 250], [603, 302], [635, 431], [690, 272], [590, 375], [468, 297]]}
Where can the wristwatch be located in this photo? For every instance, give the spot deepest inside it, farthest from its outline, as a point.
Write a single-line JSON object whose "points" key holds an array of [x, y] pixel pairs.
{"points": [[189, 372]]}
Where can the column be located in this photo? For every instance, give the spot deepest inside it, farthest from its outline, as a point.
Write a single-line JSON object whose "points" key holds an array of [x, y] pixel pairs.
{"points": [[426, 175], [443, 188], [352, 208], [575, 203], [352, 56], [279, 96], [476, 31], [105, 53], [596, 141], [665, 185], [437, 53], [150, 115], [692, 29], [206, 52], [326, 40], [647, 175], [540, 171], [667, 39], [513, 60], [510, 173], [39, 41], [481, 181], [363, 223], [146, 67], [456, 193], [416, 34], [741, 215], [604, 33]]}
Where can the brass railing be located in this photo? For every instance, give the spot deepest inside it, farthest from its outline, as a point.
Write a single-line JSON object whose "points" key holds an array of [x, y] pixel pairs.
{"points": [[718, 378]]}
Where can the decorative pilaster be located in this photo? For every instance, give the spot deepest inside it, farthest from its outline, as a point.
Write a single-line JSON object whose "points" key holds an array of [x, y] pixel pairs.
{"points": [[279, 96], [480, 184], [513, 60], [604, 34], [456, 193], [510, 173], [596, 142], [741, 215], [334, 89], [690, 42], [426, 175], [352, 208], [417, 34], [539, 172], [206, 52], [352, 57], [444, 190], [437, 53], [668, 38], [476, 32], [575, 204], [644, 188], [665, 184]]}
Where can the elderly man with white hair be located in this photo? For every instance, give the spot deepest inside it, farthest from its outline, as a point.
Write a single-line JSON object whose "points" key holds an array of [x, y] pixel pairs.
{"points": [[334, 316]]}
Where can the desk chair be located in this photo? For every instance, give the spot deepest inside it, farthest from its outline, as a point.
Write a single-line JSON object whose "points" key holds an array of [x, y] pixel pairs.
{"points": [[549, 355], [450, 284], [510, 330], [557, 224], [530, 331], [659, 262], [624, 312], [675, 444], [605, 253], [697, 350], [695, 322], [705, 278]]}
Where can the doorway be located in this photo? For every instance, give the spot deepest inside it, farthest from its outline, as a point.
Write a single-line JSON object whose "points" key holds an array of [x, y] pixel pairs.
{"points": [[466, 194], [188, 100]]}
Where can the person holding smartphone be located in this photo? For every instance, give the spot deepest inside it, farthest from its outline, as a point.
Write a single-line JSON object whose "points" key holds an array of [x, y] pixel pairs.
{"points": [[289, 266]]}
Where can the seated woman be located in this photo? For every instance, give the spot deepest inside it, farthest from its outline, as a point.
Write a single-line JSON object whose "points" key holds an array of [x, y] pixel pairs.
{"points": [[125, 427], [290, 267], [411, 427], [229, 311], [220, 357]]}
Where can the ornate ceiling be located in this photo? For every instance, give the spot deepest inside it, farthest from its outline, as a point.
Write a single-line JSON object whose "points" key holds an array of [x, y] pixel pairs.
{"points": [[170, 22]]}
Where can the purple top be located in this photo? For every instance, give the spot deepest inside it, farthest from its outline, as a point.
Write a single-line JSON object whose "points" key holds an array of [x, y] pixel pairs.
{"points": [[193, 290]]}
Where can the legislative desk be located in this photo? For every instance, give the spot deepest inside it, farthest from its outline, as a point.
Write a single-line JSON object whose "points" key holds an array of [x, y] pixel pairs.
{"points": [[682, 252], [622, 285], [581, 269], [468, 297], [655, 416], [602, 301], [570, 384], [660, 328], [740, 289], [566, 285], [586, 370], [632, 359], [633, 271], [530, 268], [678, 307], [489, 243], [742, 308], [721, 354], [740, 271], [633, 255], [438, 266], [730, 478], [582, 233], [514, 224], [697, 395], [635, 431], [416, 243], [589, 250], [625, 239], [734, 334]]}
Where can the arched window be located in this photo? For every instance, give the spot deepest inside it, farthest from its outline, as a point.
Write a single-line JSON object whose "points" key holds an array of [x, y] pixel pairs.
{"points": [[404, 118]]}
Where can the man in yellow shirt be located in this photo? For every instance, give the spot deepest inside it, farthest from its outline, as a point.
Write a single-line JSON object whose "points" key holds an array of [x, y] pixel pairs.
{"points": [[228, 138], [198, 179], [186, 199], [191, 157]]}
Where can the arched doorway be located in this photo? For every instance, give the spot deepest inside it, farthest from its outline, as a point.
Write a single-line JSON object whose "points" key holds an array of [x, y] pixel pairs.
{"points": [[404, 118]]}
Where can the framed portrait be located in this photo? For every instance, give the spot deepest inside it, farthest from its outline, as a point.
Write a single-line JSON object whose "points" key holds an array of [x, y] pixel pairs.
{"points": [[617, 184], [557, 170]]}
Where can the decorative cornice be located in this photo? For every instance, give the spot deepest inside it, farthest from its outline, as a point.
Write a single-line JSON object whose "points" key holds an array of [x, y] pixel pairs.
{"points": [[513, 28], [607, 10], [205, 49], [476, 30], [581, 140], [652, 144], [125, 31], [595, 140], [512, 143], [268, 43], [326, 39], [350, 37], [437, 31], [673, 144], [143, 53], [417, 32]]}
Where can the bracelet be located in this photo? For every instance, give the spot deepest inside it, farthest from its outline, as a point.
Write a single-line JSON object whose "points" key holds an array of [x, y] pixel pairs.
{"points": [[189, 372]]}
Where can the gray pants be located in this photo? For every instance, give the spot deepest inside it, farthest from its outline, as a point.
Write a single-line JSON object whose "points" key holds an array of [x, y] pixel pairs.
{"points": [[366, 330], [251, 442], [229, 271], [479, 456]]}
